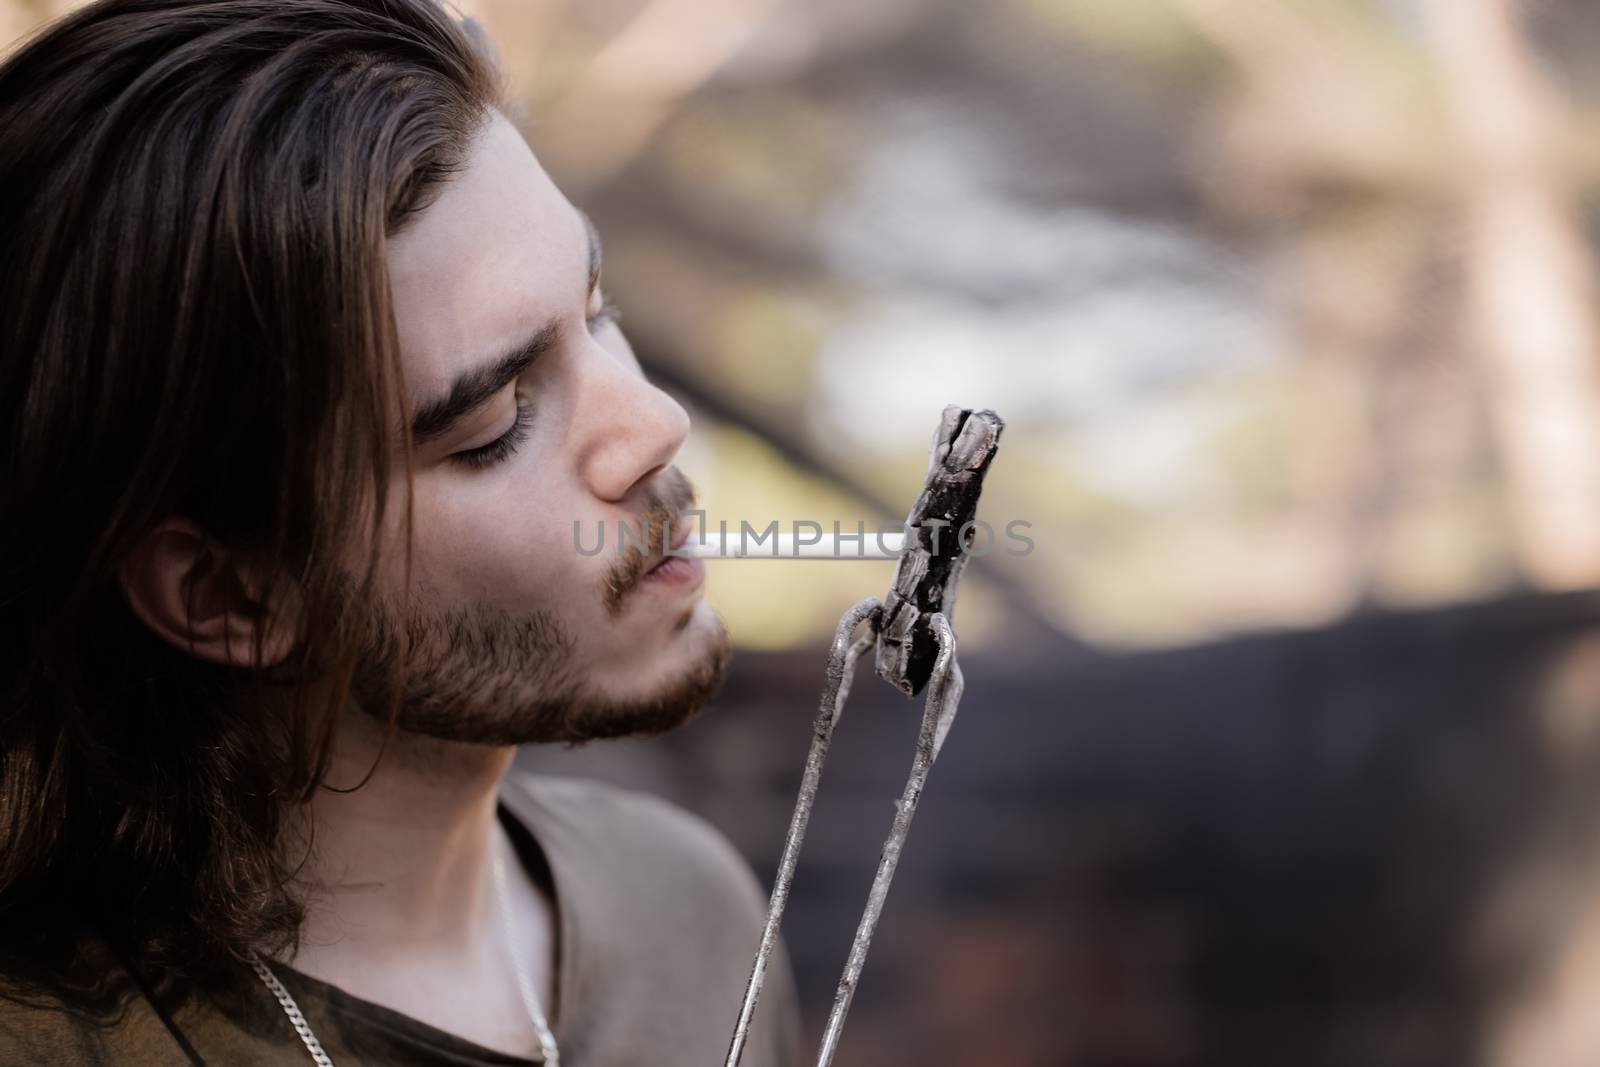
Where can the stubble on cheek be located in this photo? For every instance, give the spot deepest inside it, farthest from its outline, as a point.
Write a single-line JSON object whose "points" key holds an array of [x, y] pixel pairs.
{"points": [[483, 676], [465, 664]]}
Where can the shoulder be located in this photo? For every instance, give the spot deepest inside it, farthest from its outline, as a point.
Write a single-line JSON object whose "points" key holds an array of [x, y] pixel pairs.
{"points": [[85, 1009], [34, 1026], [667, 915], [644, 834]]}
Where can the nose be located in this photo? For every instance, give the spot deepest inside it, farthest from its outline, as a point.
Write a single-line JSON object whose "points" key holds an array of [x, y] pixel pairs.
{"points": [[632, 429]]}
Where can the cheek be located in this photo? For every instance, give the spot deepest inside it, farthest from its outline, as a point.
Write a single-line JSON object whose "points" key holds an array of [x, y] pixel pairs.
{"points": [[500, 537]]}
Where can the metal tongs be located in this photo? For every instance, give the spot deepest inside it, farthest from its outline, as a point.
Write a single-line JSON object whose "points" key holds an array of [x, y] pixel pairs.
{"points": [[916, 648]]}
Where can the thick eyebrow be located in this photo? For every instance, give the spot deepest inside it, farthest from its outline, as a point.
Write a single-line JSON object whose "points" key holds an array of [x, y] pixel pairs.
{"points": [[437, 417]]}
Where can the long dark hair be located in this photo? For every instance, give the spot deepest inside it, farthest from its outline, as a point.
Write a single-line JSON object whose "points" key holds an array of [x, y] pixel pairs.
{"points": [[195, 319]]}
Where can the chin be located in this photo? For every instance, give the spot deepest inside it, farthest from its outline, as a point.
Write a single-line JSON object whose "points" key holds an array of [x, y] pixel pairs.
{"points": [[652, 699], [696, 648]]}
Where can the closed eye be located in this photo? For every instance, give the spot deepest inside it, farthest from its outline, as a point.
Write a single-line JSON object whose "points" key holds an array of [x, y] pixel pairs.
{"points": [[502, 447], [505, 446]]}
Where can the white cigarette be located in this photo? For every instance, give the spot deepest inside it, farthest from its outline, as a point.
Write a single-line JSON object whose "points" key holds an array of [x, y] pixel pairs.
{"points": [[787, 546]]}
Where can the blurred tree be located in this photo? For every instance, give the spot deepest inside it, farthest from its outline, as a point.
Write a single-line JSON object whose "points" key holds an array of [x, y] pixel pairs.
{"points": [[1532, 283]]}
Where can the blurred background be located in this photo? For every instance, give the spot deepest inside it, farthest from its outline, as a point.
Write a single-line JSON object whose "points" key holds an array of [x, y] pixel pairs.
{"points": [[1283, 746]]}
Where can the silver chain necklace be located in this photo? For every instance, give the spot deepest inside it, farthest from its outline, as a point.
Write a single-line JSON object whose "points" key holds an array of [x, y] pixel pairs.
{"points": [[530, 999]]}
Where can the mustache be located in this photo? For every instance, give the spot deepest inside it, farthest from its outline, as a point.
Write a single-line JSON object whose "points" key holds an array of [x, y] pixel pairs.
{"points": [[667, 502]]}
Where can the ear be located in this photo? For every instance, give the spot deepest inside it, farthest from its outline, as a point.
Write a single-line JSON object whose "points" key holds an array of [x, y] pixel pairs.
{"points": [[179, 582]]}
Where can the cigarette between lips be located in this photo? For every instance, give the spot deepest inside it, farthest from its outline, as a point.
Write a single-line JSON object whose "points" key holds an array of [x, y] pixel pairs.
{"points": [[789, 546]]}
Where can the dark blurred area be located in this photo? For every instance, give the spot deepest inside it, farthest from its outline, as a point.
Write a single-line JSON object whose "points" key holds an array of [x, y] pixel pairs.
{"points": [[1371, 843], [1281, 747]]}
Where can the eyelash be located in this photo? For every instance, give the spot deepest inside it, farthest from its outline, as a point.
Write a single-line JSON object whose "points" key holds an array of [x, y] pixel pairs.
{"points": [[504, 446]]}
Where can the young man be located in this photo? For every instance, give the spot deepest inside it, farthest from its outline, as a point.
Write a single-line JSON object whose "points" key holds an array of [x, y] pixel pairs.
{"points": [[306, 375]]}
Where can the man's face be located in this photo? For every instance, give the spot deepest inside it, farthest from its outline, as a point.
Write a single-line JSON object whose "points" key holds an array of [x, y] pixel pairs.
{"points": [[530, 414]]}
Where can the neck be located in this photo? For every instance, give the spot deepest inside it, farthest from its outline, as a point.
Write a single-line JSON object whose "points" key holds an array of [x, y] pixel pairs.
{"points": [[401, 902], [401, 866]]}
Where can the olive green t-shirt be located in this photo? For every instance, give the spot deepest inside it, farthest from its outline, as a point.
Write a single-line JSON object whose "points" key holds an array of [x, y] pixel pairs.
{"points": [[658, 921]]}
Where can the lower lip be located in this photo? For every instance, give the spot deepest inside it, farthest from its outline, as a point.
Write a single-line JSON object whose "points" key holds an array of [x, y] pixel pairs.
{"points": [[677, 572]]}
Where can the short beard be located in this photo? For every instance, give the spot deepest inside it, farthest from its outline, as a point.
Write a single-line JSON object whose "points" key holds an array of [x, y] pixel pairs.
{"points": [[483, 676]]}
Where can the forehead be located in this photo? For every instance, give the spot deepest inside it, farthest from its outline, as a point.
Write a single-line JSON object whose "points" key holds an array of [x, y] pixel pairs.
{"points": [[498, 253]]}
